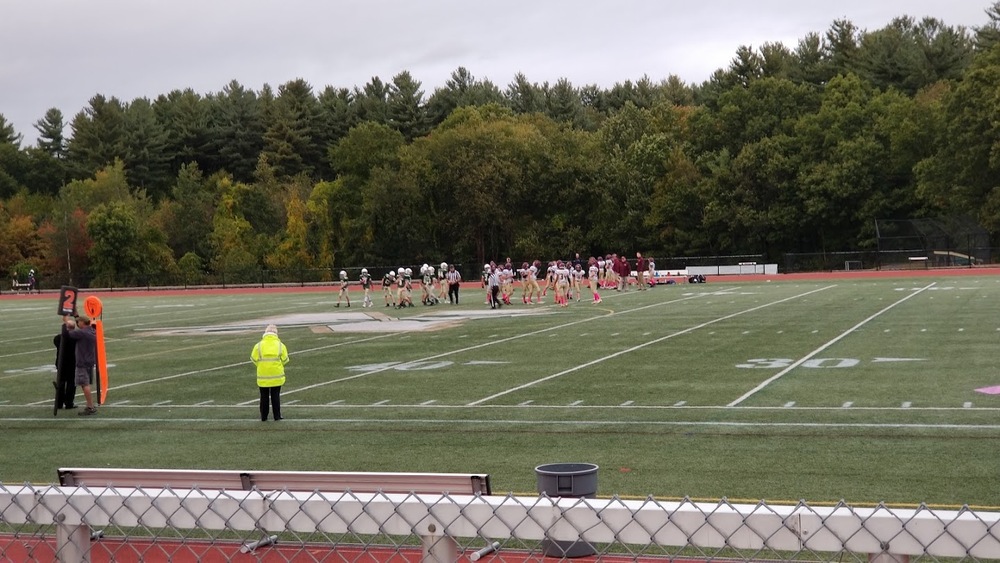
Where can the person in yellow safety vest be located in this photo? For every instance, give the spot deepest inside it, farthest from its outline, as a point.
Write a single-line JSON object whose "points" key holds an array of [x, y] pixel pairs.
{"points": [[270, 357]]}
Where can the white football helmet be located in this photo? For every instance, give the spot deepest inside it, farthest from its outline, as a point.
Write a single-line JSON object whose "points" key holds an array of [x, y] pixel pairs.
{"points": [[400, 271], [430, 270], [408, 272], [343, 275], [444, 265], [364, 270]]}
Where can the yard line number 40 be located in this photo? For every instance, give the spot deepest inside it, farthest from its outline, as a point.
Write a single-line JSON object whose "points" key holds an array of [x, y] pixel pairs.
{"points": [[778, 363]]}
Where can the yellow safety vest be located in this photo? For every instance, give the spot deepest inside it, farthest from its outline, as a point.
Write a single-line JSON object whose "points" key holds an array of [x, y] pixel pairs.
{"points": [[270, 357]]}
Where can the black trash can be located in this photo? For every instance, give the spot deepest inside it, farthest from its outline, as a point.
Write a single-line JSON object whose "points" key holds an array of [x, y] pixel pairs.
{"points": [[568, 480]]}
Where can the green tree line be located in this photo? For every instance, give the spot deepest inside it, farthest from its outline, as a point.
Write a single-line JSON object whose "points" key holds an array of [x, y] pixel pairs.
{"points": [[788, 149]]}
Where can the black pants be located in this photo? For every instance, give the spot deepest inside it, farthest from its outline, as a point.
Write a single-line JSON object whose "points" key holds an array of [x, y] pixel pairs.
{"points": [[67, 390], [494, 296], [453, 293], [270, 396]]}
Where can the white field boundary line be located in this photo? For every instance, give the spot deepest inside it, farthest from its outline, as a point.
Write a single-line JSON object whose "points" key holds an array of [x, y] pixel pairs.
{"points": [[517, 422], [643, 345], [500, 341], [808, 356]]}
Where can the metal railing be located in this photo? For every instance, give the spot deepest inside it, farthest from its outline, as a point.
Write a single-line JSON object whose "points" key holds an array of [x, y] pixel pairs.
{"points": [[45, 523]]}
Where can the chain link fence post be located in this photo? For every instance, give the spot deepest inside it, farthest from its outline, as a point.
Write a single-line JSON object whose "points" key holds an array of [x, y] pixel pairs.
{"points": [[437, 547], [72, 541]]}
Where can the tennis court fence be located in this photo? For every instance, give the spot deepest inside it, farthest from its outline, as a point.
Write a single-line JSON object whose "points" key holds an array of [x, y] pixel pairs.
{"points": [[85, 523]]}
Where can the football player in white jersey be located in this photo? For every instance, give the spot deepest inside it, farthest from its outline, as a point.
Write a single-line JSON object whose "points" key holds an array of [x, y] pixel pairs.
{"points": [[561, 275], [531, 279], [506, 283], [550, 278], [442, 282], [594, 274], [389, 280], [578, 274], [343, 289], [366, 284]]}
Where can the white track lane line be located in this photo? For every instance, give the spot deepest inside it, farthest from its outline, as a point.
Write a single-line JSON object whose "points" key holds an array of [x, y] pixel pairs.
{"points": [[807, 357], [643, 345]]}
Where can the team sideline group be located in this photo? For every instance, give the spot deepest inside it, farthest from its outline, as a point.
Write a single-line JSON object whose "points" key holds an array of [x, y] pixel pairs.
{"points": [[567, 280]]}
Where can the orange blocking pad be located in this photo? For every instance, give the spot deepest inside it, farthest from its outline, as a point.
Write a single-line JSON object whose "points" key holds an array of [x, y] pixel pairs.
{"points": [[94, 308]]}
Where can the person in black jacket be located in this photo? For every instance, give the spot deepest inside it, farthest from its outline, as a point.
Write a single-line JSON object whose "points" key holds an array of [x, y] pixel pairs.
{"points": [[66, 367]]}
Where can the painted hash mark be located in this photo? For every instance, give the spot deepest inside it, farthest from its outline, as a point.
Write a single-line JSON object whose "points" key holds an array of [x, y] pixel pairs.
{"points": [[995, 390]]}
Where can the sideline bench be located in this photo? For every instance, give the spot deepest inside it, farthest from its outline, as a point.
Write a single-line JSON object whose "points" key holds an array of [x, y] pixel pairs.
{"points": [[323, 481], [435, 546], [17, 286]]}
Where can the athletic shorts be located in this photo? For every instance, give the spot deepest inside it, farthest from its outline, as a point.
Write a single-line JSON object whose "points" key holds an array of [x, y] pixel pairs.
{"points": [[84, 376]]}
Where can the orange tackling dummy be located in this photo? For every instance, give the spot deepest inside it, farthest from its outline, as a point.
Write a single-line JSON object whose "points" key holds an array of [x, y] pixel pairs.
{"points": [[93, 307]]}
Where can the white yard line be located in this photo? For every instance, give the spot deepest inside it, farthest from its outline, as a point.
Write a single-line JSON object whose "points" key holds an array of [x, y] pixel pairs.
{"points": [[807, 357], [127, 318], [643, 345], [495, 342], [49, 350], [144, 315], [227, 366], [116, 359], [327, 347]]}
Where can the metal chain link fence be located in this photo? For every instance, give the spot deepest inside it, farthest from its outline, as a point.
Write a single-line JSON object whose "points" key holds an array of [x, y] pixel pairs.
{"points": [[56, 523]]}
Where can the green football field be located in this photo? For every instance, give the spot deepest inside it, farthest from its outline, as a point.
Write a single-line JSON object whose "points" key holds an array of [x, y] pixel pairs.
{"points": [[866, 390]]}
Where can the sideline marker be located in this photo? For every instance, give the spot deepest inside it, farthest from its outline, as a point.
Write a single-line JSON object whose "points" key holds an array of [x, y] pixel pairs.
{"points": [[94, 308]]}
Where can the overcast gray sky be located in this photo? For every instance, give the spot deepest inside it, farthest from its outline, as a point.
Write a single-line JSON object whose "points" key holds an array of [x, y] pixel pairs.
{"points": [[60, 53]]}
